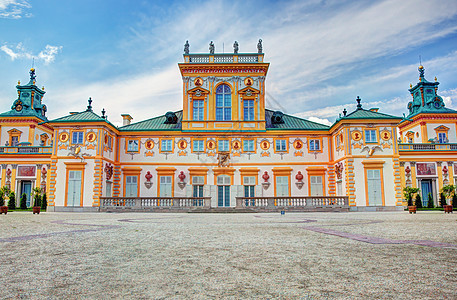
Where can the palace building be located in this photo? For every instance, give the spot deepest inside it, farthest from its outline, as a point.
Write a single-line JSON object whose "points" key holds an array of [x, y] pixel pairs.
{"points": [[225, 149]]}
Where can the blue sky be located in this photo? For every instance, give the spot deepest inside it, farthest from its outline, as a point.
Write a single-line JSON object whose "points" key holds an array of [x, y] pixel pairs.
{"points": [[323, 54]]}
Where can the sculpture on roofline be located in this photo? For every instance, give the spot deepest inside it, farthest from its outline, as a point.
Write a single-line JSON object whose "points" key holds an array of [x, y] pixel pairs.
{"points": [[235, 47], [211, 48], [259, 46], [186, 47]]}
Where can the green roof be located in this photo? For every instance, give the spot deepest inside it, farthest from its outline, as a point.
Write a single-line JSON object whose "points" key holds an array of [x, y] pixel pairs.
{"points": [[154, 124], [84, 116], [361, 113], [292, 123]]}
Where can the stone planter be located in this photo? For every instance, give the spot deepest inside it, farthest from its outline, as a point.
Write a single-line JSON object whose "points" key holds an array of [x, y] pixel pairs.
{"points": [[412, 209], [447, 208], [3, 210], [36, 210]]}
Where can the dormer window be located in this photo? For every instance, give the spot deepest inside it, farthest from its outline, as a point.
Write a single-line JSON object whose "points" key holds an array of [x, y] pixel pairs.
{"points": [[77, 137], [198, 109], [442, 134]]}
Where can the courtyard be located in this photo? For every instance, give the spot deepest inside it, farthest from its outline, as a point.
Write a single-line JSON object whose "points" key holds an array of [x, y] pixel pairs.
{"points": [[199, 256]]}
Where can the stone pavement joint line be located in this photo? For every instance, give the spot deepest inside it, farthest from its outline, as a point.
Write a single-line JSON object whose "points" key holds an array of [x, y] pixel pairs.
{"points": [[46, 235], [377, 240]]}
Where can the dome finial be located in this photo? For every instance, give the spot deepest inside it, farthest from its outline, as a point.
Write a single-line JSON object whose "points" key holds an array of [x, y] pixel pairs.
{"points": [[421, 71]]}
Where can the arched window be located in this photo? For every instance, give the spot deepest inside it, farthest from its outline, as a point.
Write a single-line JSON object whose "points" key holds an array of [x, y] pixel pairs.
{"points": [[223, 103]]}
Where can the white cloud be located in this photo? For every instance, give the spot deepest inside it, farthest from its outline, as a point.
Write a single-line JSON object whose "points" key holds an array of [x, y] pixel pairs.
{"points": [[321, 121], [14, 9], [47, 55]]}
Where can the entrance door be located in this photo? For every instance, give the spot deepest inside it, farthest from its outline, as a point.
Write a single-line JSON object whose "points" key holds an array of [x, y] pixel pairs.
{"points": [[26, 188], [426, 188], [223, 190], [74, 188], [374, 187]]}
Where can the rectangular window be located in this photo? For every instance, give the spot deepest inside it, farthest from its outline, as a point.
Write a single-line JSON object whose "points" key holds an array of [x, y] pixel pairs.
{"points": [[339, 188], [198, 146], [282, 186], [249, 189], [314, 145], [370, 136], [249, 110], [166, 145], [442, 137], [165, 186], [316, 188], [199, 107], [248, 145], [338, 141], [131, 186], [281, 145], [77, 137], [223, 146], [109, 142], [132, 146]]}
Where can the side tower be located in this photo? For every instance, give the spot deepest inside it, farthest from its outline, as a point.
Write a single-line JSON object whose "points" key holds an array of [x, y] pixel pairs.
{"points": [[428, 141], [223, 91]]}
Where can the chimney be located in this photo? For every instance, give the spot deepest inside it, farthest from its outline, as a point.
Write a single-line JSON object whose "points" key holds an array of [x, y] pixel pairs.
{"points": [[73, 112], [126, 118], [375, 109]]}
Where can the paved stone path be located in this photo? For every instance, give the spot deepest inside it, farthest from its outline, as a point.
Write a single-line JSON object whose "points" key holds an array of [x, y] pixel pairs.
{"points": [[201, 256]]}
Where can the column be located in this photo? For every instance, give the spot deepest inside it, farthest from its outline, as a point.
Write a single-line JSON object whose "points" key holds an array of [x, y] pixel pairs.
{"points": [[413, 174], [4, 166], [38, 175], [32, 134], [450, 167], [13, 176], [440, 175]]}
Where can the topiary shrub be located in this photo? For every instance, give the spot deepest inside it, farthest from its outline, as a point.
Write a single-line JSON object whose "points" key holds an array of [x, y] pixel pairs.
{"points": [[442, 200], [430, 203], [44, 202], [2, 198], [12, 201], [23, 204], [418, 201], [454, 201], [37, 197]]}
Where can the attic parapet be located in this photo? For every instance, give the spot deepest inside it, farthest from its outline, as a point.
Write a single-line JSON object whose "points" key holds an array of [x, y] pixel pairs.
{"points": [[225, 58]]}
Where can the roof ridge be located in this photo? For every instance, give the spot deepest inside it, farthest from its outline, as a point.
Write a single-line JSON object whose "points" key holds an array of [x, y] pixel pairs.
{"points": [[153, 118]]}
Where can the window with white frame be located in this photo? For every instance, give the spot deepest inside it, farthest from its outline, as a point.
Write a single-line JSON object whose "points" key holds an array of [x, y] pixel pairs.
{"points": [[199, 108], [314, 145], [198, 145], [132, 145], [316, 188], [77, 137], [223, 103], [282, 186], [197, 183], [223, 146], [249, 186], [281, 145], [165, 186], [248, 110], [370, 136], [131, 186], [166, 145], [248, 145]]}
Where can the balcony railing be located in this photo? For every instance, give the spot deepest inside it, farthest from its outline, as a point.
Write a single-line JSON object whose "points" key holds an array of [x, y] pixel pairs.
{"points": [[27, 150], [155, 202], [427, 147], [290, 202], [223, 58]]}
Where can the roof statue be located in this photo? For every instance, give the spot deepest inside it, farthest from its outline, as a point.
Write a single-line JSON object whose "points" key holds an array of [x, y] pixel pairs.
{"points": [[186, 47], [211, 48], [235, 47], [259, 46], [359, 106], [89, 107]]}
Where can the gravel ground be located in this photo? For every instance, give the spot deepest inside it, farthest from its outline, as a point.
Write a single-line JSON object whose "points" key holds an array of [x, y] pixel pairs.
{"points": [[201, 256]]}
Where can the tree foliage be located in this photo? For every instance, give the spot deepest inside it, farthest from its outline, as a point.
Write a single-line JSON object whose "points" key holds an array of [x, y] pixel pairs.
{"points": [[12, 201], [408, 193], [430, 203], [23, 203]]}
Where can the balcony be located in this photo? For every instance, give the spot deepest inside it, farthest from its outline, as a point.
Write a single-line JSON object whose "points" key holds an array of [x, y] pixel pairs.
{"points": [[151, 203], [427, 147], [46, 150], [303, 202]]}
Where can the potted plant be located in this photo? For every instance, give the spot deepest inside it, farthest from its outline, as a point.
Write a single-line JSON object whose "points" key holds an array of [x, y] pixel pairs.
{"points": [[408, 192], [448, 191], [44, 202], [418, 201], [12, 201], [3, 208], [454, 200], [23, 203], [430, 203], [37, 200]]}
